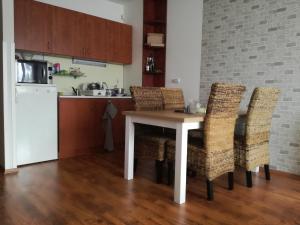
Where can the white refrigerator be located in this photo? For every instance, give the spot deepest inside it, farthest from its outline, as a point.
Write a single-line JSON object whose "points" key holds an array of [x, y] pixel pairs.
{"points": [[36, 123]]}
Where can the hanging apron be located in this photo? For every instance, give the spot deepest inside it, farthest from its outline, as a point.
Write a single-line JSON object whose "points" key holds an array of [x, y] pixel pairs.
{"points": [[109, 114]]}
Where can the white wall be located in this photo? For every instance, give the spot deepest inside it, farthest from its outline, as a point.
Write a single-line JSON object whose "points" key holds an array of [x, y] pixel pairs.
{"points": [[7, 69], [1, 97], [184, 35], [101, 8], [133, 15]]}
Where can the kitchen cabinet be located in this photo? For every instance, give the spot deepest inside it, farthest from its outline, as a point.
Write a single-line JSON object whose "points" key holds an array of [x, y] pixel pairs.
{"points": [[79, 35], [126, 44], [66, 39], [96, 43], [119, 42], [53, 30], [81, 126], [33, 28]]}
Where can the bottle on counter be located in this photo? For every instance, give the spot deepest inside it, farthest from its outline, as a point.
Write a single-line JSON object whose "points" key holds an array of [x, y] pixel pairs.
{"points": [[56, 68]]}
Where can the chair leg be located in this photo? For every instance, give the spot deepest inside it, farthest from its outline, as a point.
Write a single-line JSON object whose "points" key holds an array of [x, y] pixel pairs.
{"points": [[194, 173], [135, 165], [230, 181], [210, 190], [249, 178], [267, 172], [159, 170], [170, 172]]}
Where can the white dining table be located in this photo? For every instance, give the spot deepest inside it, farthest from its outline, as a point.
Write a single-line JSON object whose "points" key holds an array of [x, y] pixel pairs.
{"points": [[182, 123]]}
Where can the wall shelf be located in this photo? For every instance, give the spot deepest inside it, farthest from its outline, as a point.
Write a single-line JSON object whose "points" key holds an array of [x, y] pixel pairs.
{"points": [[154, 73], [155, 20], [153, 47], [68, 74]]}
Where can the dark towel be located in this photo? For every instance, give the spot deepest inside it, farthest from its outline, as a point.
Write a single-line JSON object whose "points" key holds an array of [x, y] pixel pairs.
{"points": [[109, 114]]}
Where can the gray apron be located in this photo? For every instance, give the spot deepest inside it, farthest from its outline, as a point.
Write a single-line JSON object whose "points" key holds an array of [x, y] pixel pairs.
{"points": [[109, 114]]}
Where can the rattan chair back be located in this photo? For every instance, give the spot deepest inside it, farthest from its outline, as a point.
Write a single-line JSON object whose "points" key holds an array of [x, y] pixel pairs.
{"points": [[222, 111], [259, 116], [172, 98], [254, 149], [147, 98]]}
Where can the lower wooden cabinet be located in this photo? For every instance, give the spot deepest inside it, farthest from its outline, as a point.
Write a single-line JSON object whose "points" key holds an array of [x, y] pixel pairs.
{"points": [[81, 128]]}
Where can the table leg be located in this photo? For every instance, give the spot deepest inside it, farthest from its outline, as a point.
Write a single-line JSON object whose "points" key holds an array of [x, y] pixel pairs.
{"points": [[180, 164], [129, 149]]}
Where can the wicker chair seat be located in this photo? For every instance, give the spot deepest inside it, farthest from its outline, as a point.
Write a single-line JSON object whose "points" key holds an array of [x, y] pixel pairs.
{"points": [[199, 160], [250, 156], [193, 150], [150, 147], [196, 133]]}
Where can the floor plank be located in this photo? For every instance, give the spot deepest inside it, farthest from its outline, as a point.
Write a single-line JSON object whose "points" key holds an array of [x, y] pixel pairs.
{"points": [[91, 190]]}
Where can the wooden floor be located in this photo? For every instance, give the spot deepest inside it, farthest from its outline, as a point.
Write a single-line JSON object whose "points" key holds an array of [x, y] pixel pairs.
{"points": [[91, 190]]}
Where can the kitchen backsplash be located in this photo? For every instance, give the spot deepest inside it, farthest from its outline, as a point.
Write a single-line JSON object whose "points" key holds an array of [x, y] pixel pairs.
{"points": [[112, 74]]}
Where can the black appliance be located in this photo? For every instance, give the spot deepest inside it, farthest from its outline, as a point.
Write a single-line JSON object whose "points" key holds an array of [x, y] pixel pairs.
{"points": [[32, 71]]}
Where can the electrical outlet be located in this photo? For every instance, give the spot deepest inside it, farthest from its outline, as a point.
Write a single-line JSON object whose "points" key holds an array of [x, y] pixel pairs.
{"points": [[176, 81]]}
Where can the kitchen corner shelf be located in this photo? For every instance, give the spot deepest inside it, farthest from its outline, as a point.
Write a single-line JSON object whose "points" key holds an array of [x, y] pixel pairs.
{"points": [[154, 73], [153, 47], [155, 22]]}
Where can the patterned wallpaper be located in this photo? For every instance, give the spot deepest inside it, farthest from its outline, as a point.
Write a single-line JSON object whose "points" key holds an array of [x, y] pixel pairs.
{"points": [[257, 43]]}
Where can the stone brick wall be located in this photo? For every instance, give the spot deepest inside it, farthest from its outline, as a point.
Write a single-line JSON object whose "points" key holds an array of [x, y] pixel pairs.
{"points": [[257, 43]]}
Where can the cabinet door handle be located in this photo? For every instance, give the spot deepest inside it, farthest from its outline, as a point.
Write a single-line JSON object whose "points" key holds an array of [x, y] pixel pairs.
{"points": [[49, 45]]}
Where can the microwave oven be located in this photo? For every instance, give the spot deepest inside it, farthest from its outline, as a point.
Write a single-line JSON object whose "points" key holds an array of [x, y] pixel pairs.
{"points": [[32, 71]]}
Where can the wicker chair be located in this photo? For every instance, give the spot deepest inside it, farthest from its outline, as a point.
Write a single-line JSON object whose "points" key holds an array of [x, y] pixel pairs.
{"points": [[216, 157], [172, 98], [149, 141], [252, 148], [147, 98]]}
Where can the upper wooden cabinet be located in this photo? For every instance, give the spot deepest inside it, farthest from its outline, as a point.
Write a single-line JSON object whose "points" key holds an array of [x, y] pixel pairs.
{"points": [[44, 28], [32, 26], [66, 25], [96, 43], [119, 42]]}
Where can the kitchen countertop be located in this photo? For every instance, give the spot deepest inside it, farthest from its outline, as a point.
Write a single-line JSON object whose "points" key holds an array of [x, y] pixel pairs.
{"points": [[85, 96]]}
